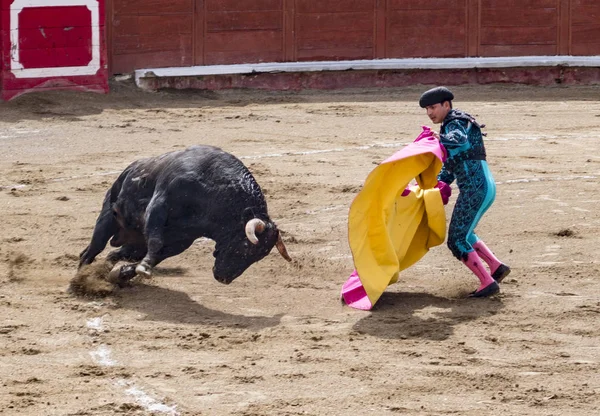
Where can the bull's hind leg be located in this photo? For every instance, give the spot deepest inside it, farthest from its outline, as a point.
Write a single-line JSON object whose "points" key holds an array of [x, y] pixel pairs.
{"points": [[156, 219], [165, 238], [106, 227]]}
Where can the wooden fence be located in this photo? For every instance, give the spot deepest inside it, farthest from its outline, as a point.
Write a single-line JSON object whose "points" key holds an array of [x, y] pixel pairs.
{"points": [[158, 33]]}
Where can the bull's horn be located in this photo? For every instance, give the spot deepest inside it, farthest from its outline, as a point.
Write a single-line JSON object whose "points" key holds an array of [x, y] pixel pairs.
{"points": [[281, 248], [254, 226]]}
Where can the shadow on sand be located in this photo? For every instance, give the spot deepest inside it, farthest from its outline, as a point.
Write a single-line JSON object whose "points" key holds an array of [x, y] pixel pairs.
{"points": [[406, 315], [167, 305]]}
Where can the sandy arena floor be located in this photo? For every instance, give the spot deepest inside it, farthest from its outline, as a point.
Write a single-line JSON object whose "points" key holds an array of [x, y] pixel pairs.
{"points": [[277, 341]]}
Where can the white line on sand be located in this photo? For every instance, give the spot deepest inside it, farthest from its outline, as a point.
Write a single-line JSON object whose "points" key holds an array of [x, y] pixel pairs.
{"points": [[267, 155], [102, 357], [144, 400]]}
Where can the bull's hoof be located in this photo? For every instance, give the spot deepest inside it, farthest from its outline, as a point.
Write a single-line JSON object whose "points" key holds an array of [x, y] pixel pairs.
{"points": [[121, 274], [144, 270]]}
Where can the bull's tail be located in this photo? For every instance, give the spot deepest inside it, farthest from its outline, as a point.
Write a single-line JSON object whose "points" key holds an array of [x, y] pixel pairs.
{"points": [[106, 227]]}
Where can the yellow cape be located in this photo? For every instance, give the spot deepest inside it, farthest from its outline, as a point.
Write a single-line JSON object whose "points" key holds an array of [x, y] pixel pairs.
{"points": [[389, 232]]}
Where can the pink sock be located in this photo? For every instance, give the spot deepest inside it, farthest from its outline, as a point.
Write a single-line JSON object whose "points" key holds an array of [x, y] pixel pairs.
{"points": [[486, 255], [473, 262]]}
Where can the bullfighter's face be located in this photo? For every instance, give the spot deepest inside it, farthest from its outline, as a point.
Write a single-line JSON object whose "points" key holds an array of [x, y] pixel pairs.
{"points": [[438, 112]]}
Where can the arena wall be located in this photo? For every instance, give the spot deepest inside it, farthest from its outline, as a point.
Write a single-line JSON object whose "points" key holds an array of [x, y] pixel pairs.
{"points": [[155, 33]]}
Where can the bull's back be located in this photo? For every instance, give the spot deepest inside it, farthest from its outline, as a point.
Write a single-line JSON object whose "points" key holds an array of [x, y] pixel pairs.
{"points": [[199, 171]]}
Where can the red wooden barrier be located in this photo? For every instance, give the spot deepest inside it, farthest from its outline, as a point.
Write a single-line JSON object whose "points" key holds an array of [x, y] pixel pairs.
{"points": [[52, 44]]}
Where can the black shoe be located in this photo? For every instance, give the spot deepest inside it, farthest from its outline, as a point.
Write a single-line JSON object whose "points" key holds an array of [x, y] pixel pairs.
{"points": [[487, 291], [501, 272]]}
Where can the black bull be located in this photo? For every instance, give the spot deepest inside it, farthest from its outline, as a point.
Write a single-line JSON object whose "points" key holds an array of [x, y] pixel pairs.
{"points": [[158, 206]]}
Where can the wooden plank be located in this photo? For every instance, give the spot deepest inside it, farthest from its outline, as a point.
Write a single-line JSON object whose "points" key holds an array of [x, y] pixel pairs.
{"points": [[587, 15], [199, 32], [334, 54], [473, 27], [380, 29], [255, 41], [334, 6], [576, 4], [245, 5], [225, 21], [159, 26], [153, 33], [518, 4], [584, 3], [139, 44], [452, 34], [334, 21], [153, 7], [564, 27], [427, 18], [585, 30], [586, 49], [517, 50], [289, 31], [335, 40], [126, 63], [427, 51], [404, 42], [236, 57], [519, 36], [426, 4], [585, 34], [108, 25], [518, 17]]}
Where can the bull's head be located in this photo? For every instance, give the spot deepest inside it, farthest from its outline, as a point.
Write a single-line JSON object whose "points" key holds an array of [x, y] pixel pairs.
{"points": [[245, 248]]}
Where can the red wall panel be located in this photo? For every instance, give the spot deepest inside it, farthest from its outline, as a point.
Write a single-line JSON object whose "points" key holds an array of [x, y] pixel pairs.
{"points": [[517, 28], [585, 27], [147, 33], [334, 29], [430, 28], [52, 37], [235, 32], [47, 45]]}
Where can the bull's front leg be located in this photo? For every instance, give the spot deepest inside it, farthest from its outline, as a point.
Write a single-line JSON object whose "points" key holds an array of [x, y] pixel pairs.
{"points": [[129, 252], [121, 274]]}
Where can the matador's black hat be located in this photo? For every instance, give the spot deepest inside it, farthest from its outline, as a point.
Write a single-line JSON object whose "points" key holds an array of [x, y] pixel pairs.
{"points": [[435, 95]]}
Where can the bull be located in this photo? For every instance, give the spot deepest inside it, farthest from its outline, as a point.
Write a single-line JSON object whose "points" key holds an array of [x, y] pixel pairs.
{"points": [[158, 206]]}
